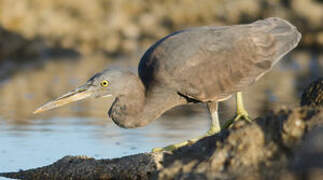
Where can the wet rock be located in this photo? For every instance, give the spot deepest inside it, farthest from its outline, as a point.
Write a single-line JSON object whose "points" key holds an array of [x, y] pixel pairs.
{"points": [[257, 151], [268, 148], [313, 94], [138, 166]]}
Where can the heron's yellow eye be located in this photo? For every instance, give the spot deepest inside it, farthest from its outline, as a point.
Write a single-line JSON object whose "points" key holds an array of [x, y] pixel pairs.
{"points": [[104, 83]]}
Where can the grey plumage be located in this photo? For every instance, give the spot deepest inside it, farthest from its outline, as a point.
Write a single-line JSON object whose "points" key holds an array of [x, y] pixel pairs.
{"points": [[211, 63], [202, 64]]}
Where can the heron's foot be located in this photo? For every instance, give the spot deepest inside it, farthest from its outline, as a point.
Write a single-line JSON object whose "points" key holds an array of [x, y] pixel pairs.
{"points": [[213, 130], [175, 146], [242, 114]]}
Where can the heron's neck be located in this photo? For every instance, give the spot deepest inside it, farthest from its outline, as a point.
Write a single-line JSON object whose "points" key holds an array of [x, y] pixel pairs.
{"points": [[140, 107]]}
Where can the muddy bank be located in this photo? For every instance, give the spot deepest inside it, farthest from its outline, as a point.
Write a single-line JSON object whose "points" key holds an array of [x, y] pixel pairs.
{"points": [[282, 144]]}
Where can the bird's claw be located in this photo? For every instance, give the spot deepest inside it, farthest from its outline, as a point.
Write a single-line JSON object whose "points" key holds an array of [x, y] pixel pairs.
{"points": [[167, 148], [212, 131], [175, 146], [240, 115]]}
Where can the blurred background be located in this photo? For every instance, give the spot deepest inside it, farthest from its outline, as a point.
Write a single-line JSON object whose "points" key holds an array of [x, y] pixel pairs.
{"points": [[48, 47]]}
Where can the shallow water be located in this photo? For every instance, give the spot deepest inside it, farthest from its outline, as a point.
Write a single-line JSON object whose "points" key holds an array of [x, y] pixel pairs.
{"points": [[45, 141]]}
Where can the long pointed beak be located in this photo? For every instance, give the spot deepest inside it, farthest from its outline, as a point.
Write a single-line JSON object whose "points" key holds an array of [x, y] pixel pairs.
{"points": [[72, 96]]}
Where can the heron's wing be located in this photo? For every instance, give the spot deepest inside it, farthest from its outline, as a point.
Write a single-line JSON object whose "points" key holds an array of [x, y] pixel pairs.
{"points": [[212, 63]]}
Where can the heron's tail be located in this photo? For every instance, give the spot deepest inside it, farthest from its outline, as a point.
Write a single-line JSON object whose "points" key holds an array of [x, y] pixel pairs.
{"points": [[281, 37]]}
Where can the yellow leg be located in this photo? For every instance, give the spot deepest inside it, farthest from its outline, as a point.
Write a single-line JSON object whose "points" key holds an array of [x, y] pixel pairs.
{"points": [[214, 128], [241, 112]]}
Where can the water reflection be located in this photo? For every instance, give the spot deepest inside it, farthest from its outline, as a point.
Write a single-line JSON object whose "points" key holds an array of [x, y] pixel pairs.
{"points": [[43, 142]]}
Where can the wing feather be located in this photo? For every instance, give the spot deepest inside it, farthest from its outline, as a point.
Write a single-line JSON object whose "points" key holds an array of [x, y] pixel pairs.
{"points": [[211, 63]]}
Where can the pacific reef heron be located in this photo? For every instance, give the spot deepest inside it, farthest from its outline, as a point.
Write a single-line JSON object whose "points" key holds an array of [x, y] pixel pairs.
{"points": [[197, 65]]}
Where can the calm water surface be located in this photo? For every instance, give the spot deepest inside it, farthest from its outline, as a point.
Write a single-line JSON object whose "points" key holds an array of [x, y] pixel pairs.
{"points": [[45, 141]]}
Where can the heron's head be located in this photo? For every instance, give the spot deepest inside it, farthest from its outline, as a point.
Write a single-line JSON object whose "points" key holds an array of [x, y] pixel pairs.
{"points": [[109, 84]]}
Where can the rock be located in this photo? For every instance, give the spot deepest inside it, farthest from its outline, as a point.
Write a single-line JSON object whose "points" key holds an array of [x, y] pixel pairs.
{"points": [[308, 161], [138, 166], [313, 94], [260, 150], [268, 148]]}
